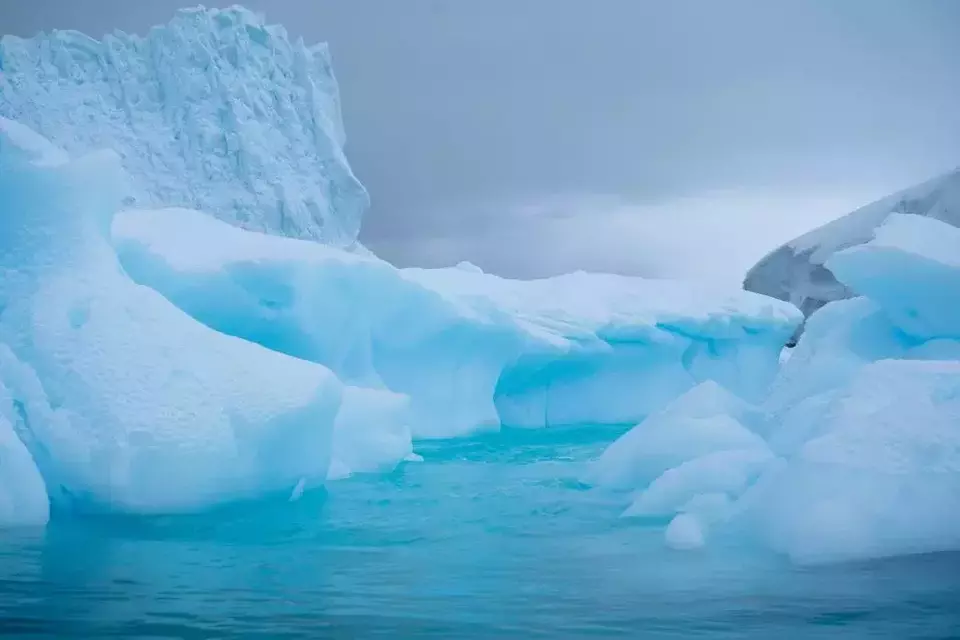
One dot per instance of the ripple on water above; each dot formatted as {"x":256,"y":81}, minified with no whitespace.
{"x":487,"y":537}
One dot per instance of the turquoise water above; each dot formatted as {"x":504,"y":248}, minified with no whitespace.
{"x":492,"y":537}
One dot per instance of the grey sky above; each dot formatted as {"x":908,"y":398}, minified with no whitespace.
{"x":535,"y":136}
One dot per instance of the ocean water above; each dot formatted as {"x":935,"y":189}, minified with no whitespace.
{"x":492,"y":537}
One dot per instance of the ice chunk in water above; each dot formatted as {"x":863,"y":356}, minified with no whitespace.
{"x":705,"y":420}
{"x":685,"y":533}
{"x":726,"y":473}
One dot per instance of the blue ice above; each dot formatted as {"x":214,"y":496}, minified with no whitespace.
{"x":187,"y":321}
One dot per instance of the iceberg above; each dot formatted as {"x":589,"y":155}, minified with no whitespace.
{"x":861,"y":453}
{"x":115,"y":386}
{"x":799,"y":272}
{"x":471,"y":350}
{"x":878,"y":479}
{"x":183,"y":290}
{"x":215,"y":111}
{"x":685,"y":533}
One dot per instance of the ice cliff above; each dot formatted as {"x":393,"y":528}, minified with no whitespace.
{"x":797,"y":271}
{"x":855,"y":451}
{"x":215,"y":111}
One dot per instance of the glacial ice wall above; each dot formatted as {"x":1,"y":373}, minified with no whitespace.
{"x":471,"y":350}
{"x":216,"y":111}
{"x":797,"y":272}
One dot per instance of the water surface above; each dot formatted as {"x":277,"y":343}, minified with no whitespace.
{"x":492,"y":537}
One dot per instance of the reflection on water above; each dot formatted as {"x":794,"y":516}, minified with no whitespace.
{"x":492,"y":537}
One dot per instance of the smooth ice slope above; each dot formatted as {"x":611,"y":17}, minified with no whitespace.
{"x":126,"y":402}
{"x":796,"y":272}
{"x":470,"y":349}
{"x":216,"y":111}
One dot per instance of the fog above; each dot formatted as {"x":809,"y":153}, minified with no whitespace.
{"x":681,"y":138}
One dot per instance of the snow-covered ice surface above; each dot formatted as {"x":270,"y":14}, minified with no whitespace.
{"x":216,"y":110}
{"x":797,"y":271}
{"x":472,"y":350}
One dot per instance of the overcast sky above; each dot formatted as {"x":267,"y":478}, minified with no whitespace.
{"x":679,"y":138}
